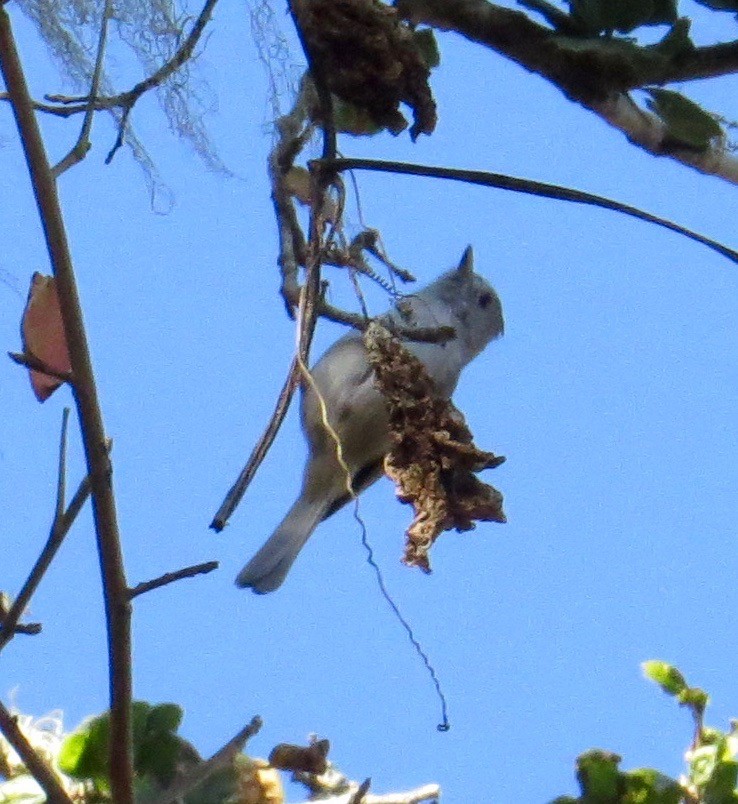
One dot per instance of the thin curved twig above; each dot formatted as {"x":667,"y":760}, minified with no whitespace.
{"x":63,"y":520}
{"x":503,"y":182}
{"x":83,"y":144}
{"x":171,"y":577}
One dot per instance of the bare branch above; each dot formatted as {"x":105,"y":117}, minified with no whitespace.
{"x":60,"y":526}
{"x":220,"y":759}
{"x":504,"y":182}
{"x":55,"y":793}
{"x":593,"y":70}
{"x":360,"y":794}
{"x":57,"y":111}
{"x":238,"y":489}
{"x":83,"y":144}
{"x":59,"y":530}
{"x":115,"y":589}
{"x":28,"y":629}
{"x":126,"y":100}
{"x":294,"y":130}
{"x":61,"y":483}
{"x":171,"y":577}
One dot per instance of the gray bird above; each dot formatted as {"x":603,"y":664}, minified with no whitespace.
{"x":357,"y":413}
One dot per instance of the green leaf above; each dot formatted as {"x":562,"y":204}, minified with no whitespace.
{"x":665,"y":675}
{"x":425,"y":42}
{"x":157,"y":757}
{"x":686,"y":122}
{"x":598,"y":775}
{"x":722,"y":784}
{"x":139,"y":718}
{"x":220,"y":786}
{"x":164,"y":718}
{"x":702,"y":764}
{"x":156,"y":747}
{"x":84,"y":754}
{"x":648,"y":786}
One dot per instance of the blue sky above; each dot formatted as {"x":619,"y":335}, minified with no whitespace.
{"x":612,"y":395}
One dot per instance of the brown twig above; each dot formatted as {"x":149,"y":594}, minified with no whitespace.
{"x":28,"y":629}
{"x":220,"y":759}
{"x":126,"y":100}
{"x":293,"y":131}
{"x":361,"y":322}
{"x":238,"y":489}
{"x":59,"y":530}
{"x":115,"y":588}
{"x":65,"y":106}
{"x":55,"y":793}
{"x":359,"y":796}
{"x":29,"y":360}
{"x":61,"y":482}
{"x":502,"y":181}
{"x":83,"y":144}
{"x":48,"y":108}
{"x":171,"y":577}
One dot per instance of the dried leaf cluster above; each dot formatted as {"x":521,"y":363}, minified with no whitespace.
{"x":433,"y":459}
{"x":368,"y":57}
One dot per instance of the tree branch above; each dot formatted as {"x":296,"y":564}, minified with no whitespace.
{"x":60,"y":527}
{"x":259,"y":452}
{"x":594,"y":72}
{"x":115,"y":589}
{"x":55,"y":793}
{"x":83,"y":144}
{"x":171,"y":577}
{"x":647,"y":131}
{"x":126,"y":100}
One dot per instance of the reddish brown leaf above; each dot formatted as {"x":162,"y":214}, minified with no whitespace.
{"x":44,"y":341}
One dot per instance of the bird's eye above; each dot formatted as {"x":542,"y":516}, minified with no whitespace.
{"x":485,"y":300}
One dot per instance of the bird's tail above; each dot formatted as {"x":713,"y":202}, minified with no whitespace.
{"x":269,"y":567}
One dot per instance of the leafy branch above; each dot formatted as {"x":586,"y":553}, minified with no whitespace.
{"x":597,"y":71}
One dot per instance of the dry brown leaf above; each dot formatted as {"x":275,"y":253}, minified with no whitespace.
{"x":308,"y":759}
{"x":433,"y":459}
{"x":42,"y":332}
